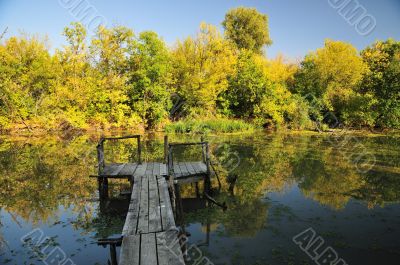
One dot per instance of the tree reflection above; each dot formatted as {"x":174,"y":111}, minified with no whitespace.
{"x":38,"y":176}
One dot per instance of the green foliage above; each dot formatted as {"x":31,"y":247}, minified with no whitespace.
{"x":109,"y":100}
{"x":247,"y":28}
{"x":121,"y":80}
{"x":329,"y":79}
{"x":383,"y":81}
{"x":150,"y":79}
{"x":201,"y":68}
{"x":246,"y":86}
{"x":209,"y":125}
{"x":257,"y":92}
{"x":26,"y":75}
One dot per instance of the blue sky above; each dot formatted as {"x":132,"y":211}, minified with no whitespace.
{"x":296,"y":27}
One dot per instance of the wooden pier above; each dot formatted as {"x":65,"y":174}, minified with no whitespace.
{"x":150,"y":235}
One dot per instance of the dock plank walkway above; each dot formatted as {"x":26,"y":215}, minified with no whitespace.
{"x":151,"y":249}
{"x":150,"y":235}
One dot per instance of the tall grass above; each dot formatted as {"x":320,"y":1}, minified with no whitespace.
{"x":209,"y":126}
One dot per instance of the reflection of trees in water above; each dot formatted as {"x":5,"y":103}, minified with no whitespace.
{"x":380,"y":187}
{"x":327,"y":174}
{"x":40,"y":175}
{"x":264,"y":166}
{"x":321,"y":168}
{"x":241,"y":219}
{"x":110,"y":218}
{"x":245,"y":219}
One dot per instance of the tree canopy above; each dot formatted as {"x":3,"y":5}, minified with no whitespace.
{"x":126,"y":80}
{"x":247,"y":28}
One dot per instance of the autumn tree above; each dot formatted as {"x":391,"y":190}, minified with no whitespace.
{"x":329,"y":79}
{"x":383,"y":81}
{"x":67,"y":104}
{"x":255,"y":93}
{"x":150,"y":79}
{"x":281,"y":70}
{"x":246,"y":87}
{"x":201,"y":67}
{"x":109,"y":54}
{"x":26,"y":75}
{"x":247,"y":28}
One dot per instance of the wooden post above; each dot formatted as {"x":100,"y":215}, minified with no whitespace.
{"x":179,"y":205}
{"x":103,"y":187}
{"x":100,"y":156}
{"x":166,"y":149}
{"x":170,"y":164}
{"x":197,"y":190}
{"x":113,"y":254}
{"x":202,"y":149}
{"x":208,"y":177}
{"x":139,"y":150}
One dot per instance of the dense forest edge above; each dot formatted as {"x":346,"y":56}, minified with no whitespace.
{"x":210,"y":82}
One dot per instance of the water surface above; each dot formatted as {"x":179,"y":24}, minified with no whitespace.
{"x":346,"y":188}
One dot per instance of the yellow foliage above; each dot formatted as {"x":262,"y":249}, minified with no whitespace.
{"x":202,"y":65}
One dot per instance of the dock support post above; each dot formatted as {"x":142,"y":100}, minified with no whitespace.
{"x":179,"y":205}
{"x":139,"y":149}
{"x":197,"y":190}
{"x":100,"y":156}
{"x":202,"y":149}
{"x":103,"y":187}
{"x":166,"y":149}
{"x":207,"y":180}
{"x":113,"y":254}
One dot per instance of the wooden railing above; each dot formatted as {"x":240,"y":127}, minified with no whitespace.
{"x":100,"y":149}
{"x":170,"y":154}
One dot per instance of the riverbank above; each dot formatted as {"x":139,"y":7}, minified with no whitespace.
{"x":193,"y":126}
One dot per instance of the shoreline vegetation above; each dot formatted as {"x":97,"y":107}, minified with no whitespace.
{"x":200,"y":127}
{"x":212,"y":82}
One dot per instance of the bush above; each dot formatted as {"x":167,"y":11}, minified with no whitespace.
{"x":210,"y":125}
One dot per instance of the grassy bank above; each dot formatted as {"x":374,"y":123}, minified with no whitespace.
{"x":209,"y":126}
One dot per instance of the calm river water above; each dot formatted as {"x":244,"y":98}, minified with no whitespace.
{"x":345,"y":189}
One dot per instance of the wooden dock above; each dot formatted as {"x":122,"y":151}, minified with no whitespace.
{"x":183,"y":171}
{"x":150,"y":235}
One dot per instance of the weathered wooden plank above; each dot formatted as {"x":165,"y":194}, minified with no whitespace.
{"x":184,"y":170}
{"x":112,"y":169}
{"x":154,"y":206}
{"x":130,"y":250}
{"x":131,"y":221}
{"x":107,"y":170}
{"x":177,"y":170}
{"x":156,"y":169}
{"x":128,"y":169}
{"x":140,"y":170}
{"x":168,"y":248}
{"x":190,"y":168}
{"x":195,"y":169}
{"x":167,"y":215}
{"x":163,"y":170}
{"x":148,"y":249}
{"x":149,"y":169}
{"x":200,"y":167}
{"x":143,"y":223}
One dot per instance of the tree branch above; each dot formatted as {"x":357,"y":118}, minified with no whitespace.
{"x":4,"y":33}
